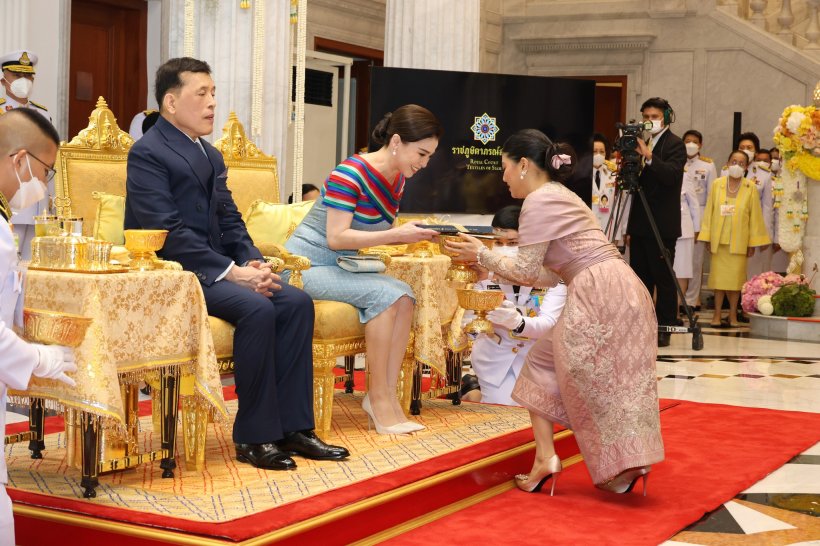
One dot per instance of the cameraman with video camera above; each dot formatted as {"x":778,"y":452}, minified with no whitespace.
{"x":664,"y":157}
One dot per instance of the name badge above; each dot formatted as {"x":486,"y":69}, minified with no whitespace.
{"x":493,"y":287}
{"x":727,"y":210}
{"x":603,"y":209}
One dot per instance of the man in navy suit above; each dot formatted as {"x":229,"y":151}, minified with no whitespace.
{"x":177,"y":181}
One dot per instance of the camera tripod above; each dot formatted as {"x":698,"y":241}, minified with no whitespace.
{"x":630,"y":186}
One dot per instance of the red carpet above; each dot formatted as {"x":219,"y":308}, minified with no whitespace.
{"x":713,"y":452}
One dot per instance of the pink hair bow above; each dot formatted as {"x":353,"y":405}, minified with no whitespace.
{"x":560,"y":159}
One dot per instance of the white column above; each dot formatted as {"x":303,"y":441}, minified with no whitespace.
{"x":433,"y":34}
{"x":14,"y":23}
{"x":223,"y":37}
{"x":811,"y":238}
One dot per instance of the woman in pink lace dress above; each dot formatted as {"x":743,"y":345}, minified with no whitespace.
{"x":596,"y":373}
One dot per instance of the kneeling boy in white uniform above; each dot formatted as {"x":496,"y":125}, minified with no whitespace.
{"x":526,"y":315}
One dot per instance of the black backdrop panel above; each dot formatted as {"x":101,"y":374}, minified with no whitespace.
{"x":464,"y":175}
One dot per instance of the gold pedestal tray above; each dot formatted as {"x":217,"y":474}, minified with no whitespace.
{"x":143,"y":244}
{"x":479,"y":301}
{"x":459,"y":271}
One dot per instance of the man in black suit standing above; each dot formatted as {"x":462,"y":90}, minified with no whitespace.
{"x":664,"y":158}
{"x":177,"y":181}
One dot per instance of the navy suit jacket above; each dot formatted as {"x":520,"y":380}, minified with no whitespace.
{"x":172,"y":185}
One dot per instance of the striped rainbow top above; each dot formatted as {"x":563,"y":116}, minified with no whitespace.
{"x":356,"y":186}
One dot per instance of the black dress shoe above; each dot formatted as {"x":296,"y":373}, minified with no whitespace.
{"x":266,"y":456}
{"x":306,"y":444}
{"x":664,"y":339}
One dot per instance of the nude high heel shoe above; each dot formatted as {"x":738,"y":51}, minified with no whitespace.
{"x":625,"y":481}
{"x":533,"y":484}
{"x":398,"y":428}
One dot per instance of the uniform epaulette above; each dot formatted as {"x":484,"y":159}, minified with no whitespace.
{"x":146,"y":112}
{"x":40,"y":106}
{"x":2,"y":101}
{"x":610,"y":165}
{"x":706,"y":159}
{"x":764,"y":167}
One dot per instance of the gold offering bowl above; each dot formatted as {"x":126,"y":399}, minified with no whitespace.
{"x":460,"y":271}
{"x":143,"y":244}
{"x":54,"y":328}
{"x":479,"y":301}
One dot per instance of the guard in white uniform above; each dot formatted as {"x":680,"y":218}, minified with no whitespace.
{"x":18,"y":80}
{"x":767,"y":158}
{"x":19,"y":137}
{"x":604,"y":192}
{"x":525,"y":316}
{"x":690,"y":216}
{"x":137,"y":128}
{"x":700,"y":172}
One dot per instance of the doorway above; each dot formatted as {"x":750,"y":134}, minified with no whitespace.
{"x":107,"y":59}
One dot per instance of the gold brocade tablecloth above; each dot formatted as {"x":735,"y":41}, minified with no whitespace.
{"x":436,"y":303}
{"x":143,"y":322}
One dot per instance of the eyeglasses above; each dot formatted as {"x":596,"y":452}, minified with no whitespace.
{"x":50,"y":172}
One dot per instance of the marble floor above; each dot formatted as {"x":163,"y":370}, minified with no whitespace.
{"x":735,"y":368}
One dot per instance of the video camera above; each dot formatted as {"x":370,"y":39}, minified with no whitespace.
{"x":630,"y":164}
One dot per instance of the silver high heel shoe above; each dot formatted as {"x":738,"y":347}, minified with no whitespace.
{"x":625,"y":481}
{"x":534,"y":484}
{"x":398,"y":428}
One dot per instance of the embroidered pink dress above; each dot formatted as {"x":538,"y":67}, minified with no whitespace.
{"x":596,"y":373}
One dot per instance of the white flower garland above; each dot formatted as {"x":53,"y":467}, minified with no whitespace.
{"x":794,"y":212}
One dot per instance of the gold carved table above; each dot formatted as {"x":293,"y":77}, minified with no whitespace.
{"x":436,"y":303}
{"x":146,"y":326}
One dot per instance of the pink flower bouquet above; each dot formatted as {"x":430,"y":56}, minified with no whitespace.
{"x":760,"y":285}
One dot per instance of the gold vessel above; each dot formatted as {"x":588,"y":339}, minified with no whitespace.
{"x":143,"y":244}
{"x":59,"y":252}
{"x":52,"y":328}
{"x":480,"y":301}
{"x":460,"y":271}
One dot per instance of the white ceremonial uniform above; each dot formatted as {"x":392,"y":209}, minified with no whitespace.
{"x":17,"y":358}
{"x":690,"y":216}
{"x":761,"y":261}
{"x":497,"y":363}
{"x":701,"y":173}
{"x":23,"y":220}
{"x":135,"y":130}
{"x":603,"y":200}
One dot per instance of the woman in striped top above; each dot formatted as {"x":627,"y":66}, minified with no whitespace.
{"x":357,"y":209}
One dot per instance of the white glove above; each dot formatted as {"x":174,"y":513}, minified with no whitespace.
{"x":506,"y":315}
{"x":55,"y":361}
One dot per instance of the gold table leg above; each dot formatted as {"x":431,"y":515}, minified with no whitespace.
{"x":323,"y":387}
{"x":194,"y":431}
{"x":406,"y":380}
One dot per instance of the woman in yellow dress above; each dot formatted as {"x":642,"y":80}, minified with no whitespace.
{"x":732,"y":225}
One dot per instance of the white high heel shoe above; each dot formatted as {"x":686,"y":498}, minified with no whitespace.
{"x":398,"y":428}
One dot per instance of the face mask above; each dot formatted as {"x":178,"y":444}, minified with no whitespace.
{"x":597,"y":160}
{"x":656,"y":126}
{"x":736,"y":171}
{"x":692,"y":149}
{"x":750,"y":154}
{"x":775,"y":165}
{"x":21,"y":87}
{"x":29,"y":193}
{"x":508,"y":251}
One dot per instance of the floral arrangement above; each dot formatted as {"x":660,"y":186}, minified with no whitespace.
{"x":758,"y":286}
{"x":793,"y":300}
{"x":797,"y":135}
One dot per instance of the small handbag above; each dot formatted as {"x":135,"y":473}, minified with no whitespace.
{"x":361,"y":264}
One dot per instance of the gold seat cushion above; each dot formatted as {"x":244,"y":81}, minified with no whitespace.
{"x":336,"y":320}
{"x":274,"y":222}
{"x":222,"y":333}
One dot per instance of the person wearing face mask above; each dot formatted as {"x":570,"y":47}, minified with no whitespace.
{"x":19,"y":69}
{"x":661,"y":179}
{"x":780,"y":258}
{"x":761,"y":176}
{"x":525,"y":316}
{"x":358,"y":207}
{"x":603,"y":189}
{"x":732,"y":226}
{"x":700,"y":171}
{"x":23,"y":135}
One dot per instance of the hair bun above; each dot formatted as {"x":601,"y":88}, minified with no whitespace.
{"x":380,"y":134}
